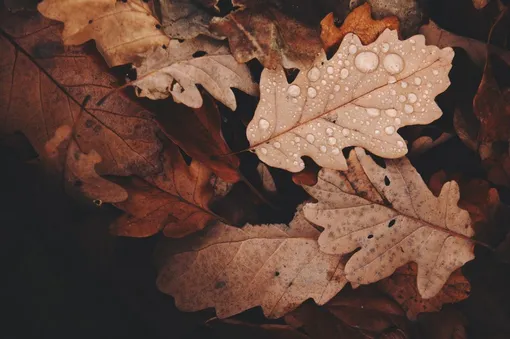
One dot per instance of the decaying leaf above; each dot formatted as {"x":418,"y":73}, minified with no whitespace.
{"x":360,"y":97}
{"x":401,"y":286}
{"x":264,"y":33}
{"x":178,"y":68}
{"x":233,"y":269}
{"x":198,"y":133}
{"x":186,"y":19}
{"x":176,"y":201}
{"x":359,"y":22}
{"x":393,"y":217}
{"x":52,"y":86}
{"x":359,"y":314}
{"x":122,"y":29}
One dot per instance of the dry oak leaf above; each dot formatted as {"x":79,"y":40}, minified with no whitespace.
{"x":176,"y":70}
{"x":401,"y":286}
{"x":393,"y":217}
{"x":122,"y":29}
{"x":266,"y":34}
{"x":175,"y":200}
{"x":186,"y":19}
{"x":359,"y":97}
{"x":234,"y":269}
{"x":359,"y":22}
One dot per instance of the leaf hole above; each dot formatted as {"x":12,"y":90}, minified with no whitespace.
{"x":97,"y":202}
{"x":199,"y":54}
{"x":220,"y":284}
{"x":391,"y":223}
{"x":291,"y":74}
{"x":370,"y":236}
{"x":91,"y":21}
{"x":276,"y":273}
{"x":164,"y":47}
{"x":158,"y":26}
{"x":387,"y":181}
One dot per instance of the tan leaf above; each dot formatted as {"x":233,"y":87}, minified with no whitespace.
{"x":479,"y":4}
{"x":176,"y":200}
{"x":80,"y":170}
{"x":392,"y":216}
{"x":233,"y":269}
{"x":267,"y":179}
{"x":357,"y":98}
{"x":175,"y":71}
{"x":122,"y":29}
{"x":185,"y":19}
{"x":52,"y":87}
{"x":264,"y":33}
{"x":401,"y":286}
{"x":359,"y":22}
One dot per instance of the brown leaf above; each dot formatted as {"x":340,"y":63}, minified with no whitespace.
{"x":390,"y":214}
{"x":354,"y":314}
{"x":233,"y":328}
{"x":50,"y":84}
{"x":175,"y":201}
{"x":359,"y":22}
{"x":447,"y":324}
{"x":198,"y":132}
{"x":401,"y":286}
{"x":234,"y":269}
{"x":122,"y":29}
{"x":264,"y":33}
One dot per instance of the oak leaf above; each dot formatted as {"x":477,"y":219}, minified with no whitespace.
{"x":176,"y":70}
{"x":175,"y":200}
{"x":51,"y":86}
{"x":359,"y":22}
{"x":122,"y":29}
{"x":233,"y":269}
{"x":401,"y":286}
{"x":359,"y":97}
{"x":265,"y":33}
{"x":392,"y":216}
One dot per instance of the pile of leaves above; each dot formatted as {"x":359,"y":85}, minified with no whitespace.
{"x":308,"y":169}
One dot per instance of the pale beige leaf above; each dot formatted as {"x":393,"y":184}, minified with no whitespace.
{"x":233,"y":269}
{"x":81,"y":168}
{"x":360,"y":97}
{"x":121,"y":29}
{"x":400,"y":221}
{"x":175,"y":71}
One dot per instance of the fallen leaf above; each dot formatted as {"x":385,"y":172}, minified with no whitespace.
{"x":392,"y":216}
{"x":492,"y":108}
{"x":447,"y":324}
{"x":325,"y":108}
{"x":51,"y":86}
{"x":233,"y":328}
{"x":122,"y":29}
{"x":264,"y":33}
{"x":198,"y":133}
{"x":401,"y":286}
{"x":426,"y":143}
{"x":186,"y":19}
{"x":267,"y":179}
{"x":480,"y":3}
{"x":177,"y":69}
{"x":477,"y":50}
{"x":359,"y":22}
{"x":361,"y":313}
{"x":175,"y":201}
{"x":233,"y":269}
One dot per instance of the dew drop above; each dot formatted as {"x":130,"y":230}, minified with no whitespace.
{"x":412,"y":98}
{"x":408,"y":109}
{"x":330,"y":70}
{"x":323,"y":149}
{"x":385,"y":47}
{"x":344,"y":73}
{"x":435,"y":72}
{"x":323,"y":82}
{"x":335,"y":151}
{"x":314,"y":74}
{"x":331,"y":141}
{"x":389,"y":130}
{"x":400,"y":144}
{"x":297,"y":139}
{"x":263,"y":150}
{"x":393,"y":63}
{"x":401,"y":98}
{"x":263,"y":123}
{"x":392,"y":79}
{"x":329,"y":131}
{"x":397,"y":121}
{"x":373,"y":112}
{"x":312,"y":92}
{"x":366,"y":62}
{"x":310,"y":138}
{"x":294,"y":90}
{"x":331,"y":97}
{"x":403,"y":84}
{"x":336,"y":88}
{"x":346,"y":132}
{"x":391,"y":112}
{"x":377,"y":132}
{"x":417,"y":81}
{"x":277,"y":145}
{"x":353,"y":49}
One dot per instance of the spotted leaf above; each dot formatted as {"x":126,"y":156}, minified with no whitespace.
{"x":359,"y":97}
{"x":390,"y":214}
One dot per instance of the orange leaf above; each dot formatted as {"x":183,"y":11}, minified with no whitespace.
{"x":359,"y":22}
